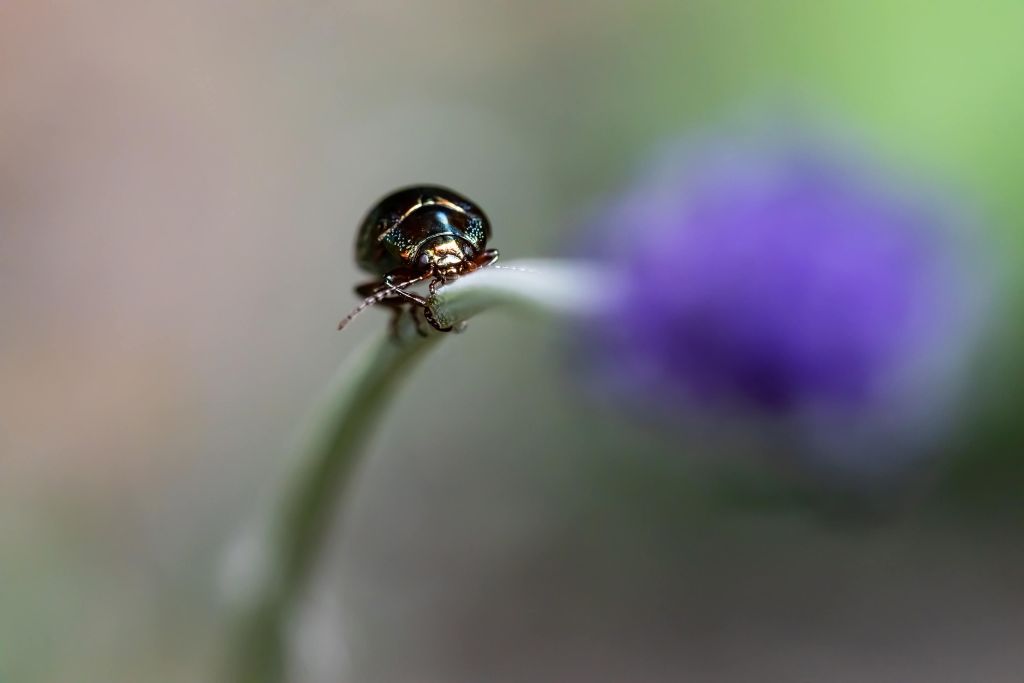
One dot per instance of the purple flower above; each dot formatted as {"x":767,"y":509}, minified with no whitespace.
{"x":780,"y":277}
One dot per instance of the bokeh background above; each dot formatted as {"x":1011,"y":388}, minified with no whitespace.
{"x":179,"y":189}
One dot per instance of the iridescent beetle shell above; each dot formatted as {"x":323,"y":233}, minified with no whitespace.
{"x":415,"y":234}
{"x":408,"y":222}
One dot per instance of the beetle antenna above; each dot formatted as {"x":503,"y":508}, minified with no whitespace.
{"x":377,"y":297}
{"x":515,"y":268}
{"x":363,"y":305}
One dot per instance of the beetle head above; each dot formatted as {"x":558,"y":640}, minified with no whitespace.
{"x":446,"y":256}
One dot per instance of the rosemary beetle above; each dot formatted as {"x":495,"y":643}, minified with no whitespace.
{"x":413,"y":235}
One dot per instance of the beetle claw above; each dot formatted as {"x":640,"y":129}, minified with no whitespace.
{"x":429,"y":315}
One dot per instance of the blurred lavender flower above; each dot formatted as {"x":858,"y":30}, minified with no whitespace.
{"x":782,"y":276}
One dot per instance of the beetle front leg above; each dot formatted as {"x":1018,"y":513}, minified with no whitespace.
{"x":416,"y":320}
{"x":487,"y":258}
{"x":393,"y":324}
{"x":417,"y":301}
{"x":429,"y":315}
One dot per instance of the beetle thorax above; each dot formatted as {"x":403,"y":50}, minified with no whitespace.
{"x":448,"y":256}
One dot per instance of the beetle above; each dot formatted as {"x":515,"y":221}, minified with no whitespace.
{"x":424,"y":232}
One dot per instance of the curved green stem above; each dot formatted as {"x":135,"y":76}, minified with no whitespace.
{"x":341,"y":424}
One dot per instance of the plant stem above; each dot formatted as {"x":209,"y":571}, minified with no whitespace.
{"x":342,"y":421}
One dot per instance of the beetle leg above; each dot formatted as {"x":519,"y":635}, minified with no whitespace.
{"x":396,"y":317}
{"x":429,"y":315}
{"x":417,"y":301}
{"x":417,"y":321}
{"x":487,"y":258}
{"x":394,"y":295}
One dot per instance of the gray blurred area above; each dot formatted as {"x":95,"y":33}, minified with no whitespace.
{"x":179,"y":189}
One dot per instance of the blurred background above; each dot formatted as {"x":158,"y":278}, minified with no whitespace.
{"x":179,"y":188}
